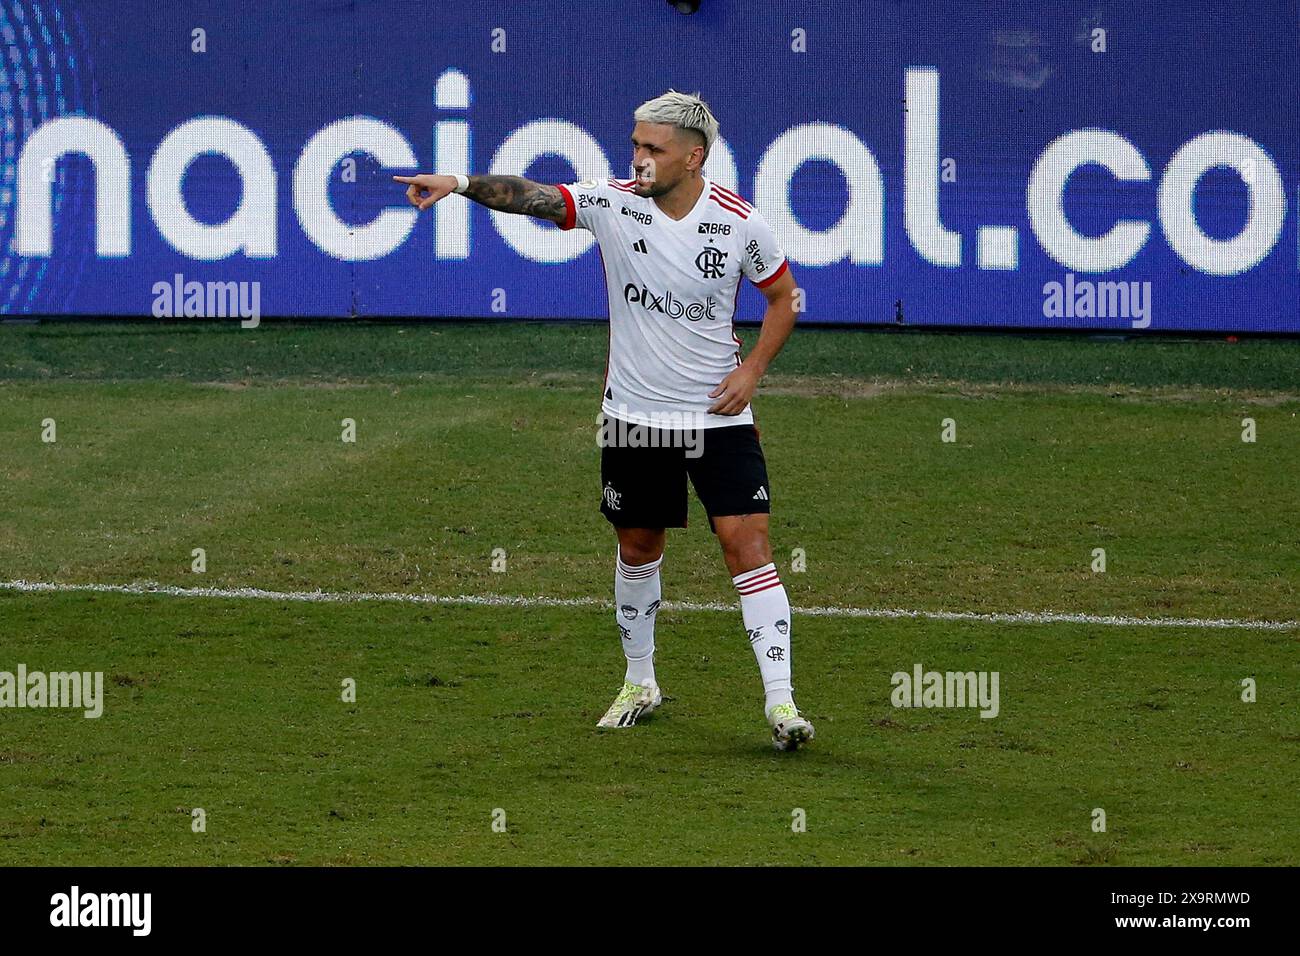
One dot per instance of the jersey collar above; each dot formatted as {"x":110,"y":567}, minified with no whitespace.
{"x":695,"y":210}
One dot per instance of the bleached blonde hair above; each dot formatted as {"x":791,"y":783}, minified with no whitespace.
{"x":682,"y":110}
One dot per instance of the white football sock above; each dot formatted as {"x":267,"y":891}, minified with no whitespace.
{"x":636,"y":599}
{"x":766,"y":611}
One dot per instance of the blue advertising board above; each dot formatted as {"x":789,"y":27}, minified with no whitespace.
{"x":1101,"y":165}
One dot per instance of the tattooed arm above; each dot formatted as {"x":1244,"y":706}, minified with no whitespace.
{"x":505,"y":193}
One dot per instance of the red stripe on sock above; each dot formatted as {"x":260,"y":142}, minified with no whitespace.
{"x":643,"y":571}
{"x":760,"y":583}
{"x":740,"y":580}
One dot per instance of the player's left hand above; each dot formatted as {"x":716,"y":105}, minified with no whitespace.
{"x":734,"y":392}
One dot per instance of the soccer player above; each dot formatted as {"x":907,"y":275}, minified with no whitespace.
{"x":675,"y":246}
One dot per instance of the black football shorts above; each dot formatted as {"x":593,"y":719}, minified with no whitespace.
{"x":643,"y":480}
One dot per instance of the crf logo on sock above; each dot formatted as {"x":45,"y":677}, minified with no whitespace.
{"x":75,"y":908}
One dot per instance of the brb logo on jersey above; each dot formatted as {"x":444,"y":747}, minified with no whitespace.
{"x":668,"y":304}
{"x":711,"y":262}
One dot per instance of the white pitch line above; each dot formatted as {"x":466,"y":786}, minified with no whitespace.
{"x":501,"y":600}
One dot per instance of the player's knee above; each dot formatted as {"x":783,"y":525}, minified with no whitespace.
{"x":637,"y":546}
{"x":744,"y":552}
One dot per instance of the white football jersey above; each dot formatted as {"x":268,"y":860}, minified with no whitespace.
{"x":672,"y":287}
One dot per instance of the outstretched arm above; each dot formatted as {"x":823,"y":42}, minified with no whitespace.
{"x":503,"y":193}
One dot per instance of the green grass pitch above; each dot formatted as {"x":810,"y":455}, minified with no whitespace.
{"x":478,"y":437}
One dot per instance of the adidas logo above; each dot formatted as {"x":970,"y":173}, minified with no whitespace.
{"x":639,"y":246}
{"x":761,"y":494}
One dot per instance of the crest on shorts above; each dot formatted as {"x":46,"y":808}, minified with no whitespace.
{"x":612,"y":497}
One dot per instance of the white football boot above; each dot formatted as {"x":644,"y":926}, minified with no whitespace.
{"x":632,"y":703}
{"x":789,"y":730}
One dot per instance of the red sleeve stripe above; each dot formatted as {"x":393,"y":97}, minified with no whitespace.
{"x":785,"y":264}
{"x":722,"y":197}
{"x":570,"y":213}
{"x":726,"y":204}
{"x":622,"y":189}
{"x":730,"y":195}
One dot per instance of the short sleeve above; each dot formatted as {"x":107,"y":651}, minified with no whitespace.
{"x":584,"y":203}
{"x":763,"y":259}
